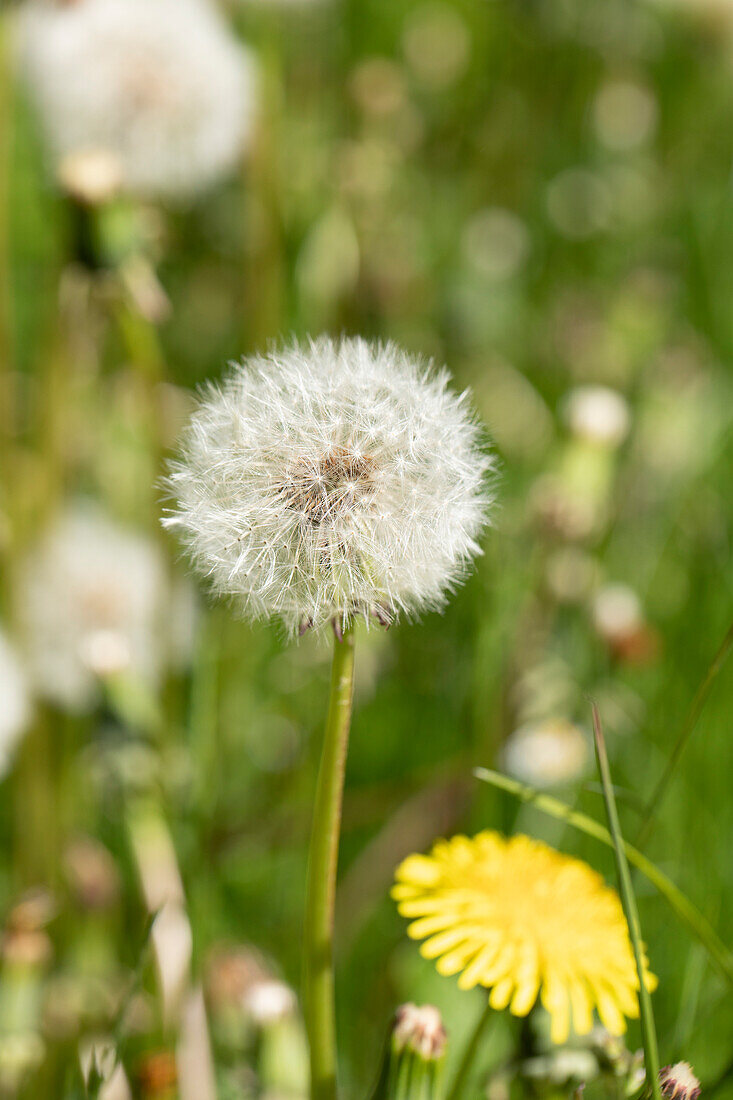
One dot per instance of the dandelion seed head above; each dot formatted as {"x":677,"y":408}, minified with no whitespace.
{"x":329,"y":480}
{"x":160,"y":87}
{"x":93,"y":600}
{"x":15,"y":711}
{"x":598,"y":414}
{"x":546,"y":753}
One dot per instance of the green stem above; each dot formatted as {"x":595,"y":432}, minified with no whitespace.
{"x":648,"y":1033}
{"x":685,"y":733}
{"x":462,"y":1074}
{"x":318,"y":979}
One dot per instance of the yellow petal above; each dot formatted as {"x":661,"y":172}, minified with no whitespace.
{"x":438,"y":945}
{"x":501,"y":994}
{"x":611,"y":1016}
{"x":455,"y":960}
{"x":555,"y":1000}
{"x":581,"y":1004}
{"x":419,"y":871}
{"x":471,"y":976}
{"x":496,"y":969}
{"x":525,"y":995}
{"x":427,"y":926}
{"x":421,"y":907}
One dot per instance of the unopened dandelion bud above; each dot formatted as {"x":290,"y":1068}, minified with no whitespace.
{"x":678,"y":1082}
{"x":420,"y":1031}
{"x":412,"y":1067}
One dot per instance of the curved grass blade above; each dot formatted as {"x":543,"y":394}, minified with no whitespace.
{"x":685,"y":910}
{"x":648,"y":1031}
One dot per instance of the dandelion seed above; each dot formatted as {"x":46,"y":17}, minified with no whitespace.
{"x":160,"y":87}
{"x":332,"y":480}
{"x":525,"y":921}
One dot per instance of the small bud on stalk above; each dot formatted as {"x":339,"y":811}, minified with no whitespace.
{"x":413,"y":1062}
{"x":679,"y":1082}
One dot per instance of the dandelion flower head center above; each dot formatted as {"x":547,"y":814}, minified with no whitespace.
{"x":329,"y":486}
{"x":525,"y":921}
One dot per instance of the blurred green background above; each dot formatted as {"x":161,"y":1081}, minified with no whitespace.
{"x":538,"y":194}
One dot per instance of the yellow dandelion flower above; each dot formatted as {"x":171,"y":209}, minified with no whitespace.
{"x":523,"y":920}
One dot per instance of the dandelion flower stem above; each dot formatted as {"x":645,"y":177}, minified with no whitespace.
{"x":464,"y":1069}
{"x":321,"y":887}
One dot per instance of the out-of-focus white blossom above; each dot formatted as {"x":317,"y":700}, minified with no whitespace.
{"x":268,"y":1001}
{"x":94,"y":600}
{"x":617,"y":612}
{"x":562,"y":1067}
{"x":598,"y":414}
{"x":543,"y":754}
{"x":329,"y":480}
{"x":160,"y":86}
{"x":15,"y":710}
{"x":92,"y":176}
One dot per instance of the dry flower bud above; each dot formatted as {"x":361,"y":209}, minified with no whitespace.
{"x":678,"y":1082}
{"x":419,"y":1029}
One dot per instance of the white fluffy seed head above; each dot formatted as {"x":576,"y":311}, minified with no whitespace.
{"x":15,"y":709}
{"x":161,"y":86}
{"x":332,"y":479}
{"x":94,"y":600}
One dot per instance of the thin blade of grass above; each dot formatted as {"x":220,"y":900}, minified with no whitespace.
{"x":628,"y":900}
{"x":684,"y":735}
{"x":691,"y":917}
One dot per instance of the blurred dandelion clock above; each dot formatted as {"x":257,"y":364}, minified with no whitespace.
{"x":525,"y":921}
{"x":91,"y":602}
{"x":161,"y":86}
{"x":546,"y":753}
{"x":15,"y":711}
{"x":332,"y":480}
{"x":598,"y":414}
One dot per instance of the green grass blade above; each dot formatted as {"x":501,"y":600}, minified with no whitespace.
{"x":688,"y":914}
{"x":628,"y":899}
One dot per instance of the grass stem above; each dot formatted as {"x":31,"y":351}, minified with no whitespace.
{"x":628,"y":899}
